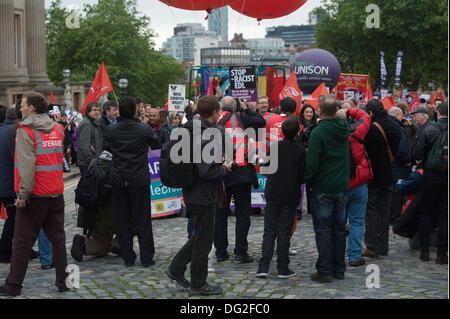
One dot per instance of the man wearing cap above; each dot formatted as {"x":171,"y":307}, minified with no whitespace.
{"x":425,"y":133}
{"x":434,"y":190}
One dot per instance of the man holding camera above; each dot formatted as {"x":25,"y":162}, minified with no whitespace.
{"x":235,"y":119}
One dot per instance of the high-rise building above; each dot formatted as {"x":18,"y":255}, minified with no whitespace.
{"x":301,"y":36}
{"x":218,"y":22}
{"x":187,"y":41}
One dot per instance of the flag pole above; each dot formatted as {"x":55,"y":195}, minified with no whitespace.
{"x":115,"y":96}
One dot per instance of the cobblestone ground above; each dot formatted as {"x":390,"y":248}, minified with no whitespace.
{"x":402,"y":274}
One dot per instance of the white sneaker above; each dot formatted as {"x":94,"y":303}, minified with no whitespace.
{"x":292,"y":252}
{"x":261,"y":275}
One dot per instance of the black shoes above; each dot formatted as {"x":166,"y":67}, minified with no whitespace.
{"x":179,"y":279}
{"x":206,"y":290}
{"x":34,"y":254}
{"x":6,"y":293}
{"x":262,"y":274}
{"x":47,"y":267}
{"x":424,"y":255}
{"x":78,"y":248}
{"x":442,"y":260}
{"x":357,"y":263}
{"x":339,"y":276}
{"x":286,"y":274}
{"x":146,"y":265}
{"x":114,"y":250}
{"x":243,"y":259}
{"x":222,"y":258}
{"x":317,"y":277}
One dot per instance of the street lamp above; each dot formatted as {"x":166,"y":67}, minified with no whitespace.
{"x":123,"y":84}
{"x":67,"y":91}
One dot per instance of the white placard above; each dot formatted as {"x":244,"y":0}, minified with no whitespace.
{"x":177,"y":96}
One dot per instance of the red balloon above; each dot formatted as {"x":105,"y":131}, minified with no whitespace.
{"x":197,"y":4}
{"x":266,"y":9}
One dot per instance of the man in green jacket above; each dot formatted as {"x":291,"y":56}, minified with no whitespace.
{"x":327,"y":174}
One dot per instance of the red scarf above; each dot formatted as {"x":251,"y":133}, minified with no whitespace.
{"x":155,"y":127}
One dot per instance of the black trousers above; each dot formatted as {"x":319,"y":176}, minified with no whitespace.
{"x":198,"y":247}
{"x":376,"y":236}
{"x":434,"y":207}
{"x":8,"y":228}
{"x":133,"y":207}
{"x":278,"y":223}
{"x":242,"y":201}
{"x":397,"y":203}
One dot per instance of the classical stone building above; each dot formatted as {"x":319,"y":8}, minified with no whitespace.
{"x":23,"y":65}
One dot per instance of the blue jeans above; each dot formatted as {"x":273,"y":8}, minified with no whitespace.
{"x":356,"y":210}
{"x":45,"y":249}
{"x":329,"y":222}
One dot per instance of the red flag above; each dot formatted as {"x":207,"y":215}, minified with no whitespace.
{"x":391,"y":99}
{"x":52,"y":96}
{"x":414,"y":104}
{"x":166,"y":106}
{"x":292,"y":90}
{"x":433,"y":98}
{"x":369,"y":95}
{"x":3,"y":214}
{"x":313,"y":99}
{"x":100,"y":86}
{"x":387,"y":103}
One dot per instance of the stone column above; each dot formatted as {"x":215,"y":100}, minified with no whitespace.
{"x":7,"y":61}
{"x":35,"y":30}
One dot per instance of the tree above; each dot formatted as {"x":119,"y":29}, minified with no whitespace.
{"x":417,"y":27}
{"x":112,"y":31}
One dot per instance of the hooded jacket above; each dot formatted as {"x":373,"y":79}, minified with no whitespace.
{"x":26,"y":154}
{"x":327,"y":159}
{"x":208,"y":191}
{"x":359,"y":130}
{"x":90,"y":141}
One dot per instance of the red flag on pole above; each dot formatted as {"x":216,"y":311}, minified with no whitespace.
{"x":292,"y":90}
{"x":166,"y":106}
{"x":100,"y":86}
{"x":414,"y":104}
{"x":52,"y":96}
{"x":369,"y":95}
{"x":387,"y":103}
{"x":391,"y":99}
{"x":313,"y":100}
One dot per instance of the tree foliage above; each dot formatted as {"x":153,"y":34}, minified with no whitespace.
{"x":112,"y":31}
{"x":417,"y":27}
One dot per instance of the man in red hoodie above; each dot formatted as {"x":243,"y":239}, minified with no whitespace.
{"x":360,"y":174}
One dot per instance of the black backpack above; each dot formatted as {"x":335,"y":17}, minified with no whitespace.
{"x":91,"y":189}
{"x":177,"y":175}
{"x":438,"y":157}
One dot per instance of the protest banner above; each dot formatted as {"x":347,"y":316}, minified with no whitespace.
{"x":357,"y":83}
{"x":243,"y":83}
{"x":165,"y":200}
{"x":177,"y":95}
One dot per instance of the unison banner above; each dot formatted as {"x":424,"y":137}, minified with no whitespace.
{"x":357,"y":83}
{"x":165,"y":200}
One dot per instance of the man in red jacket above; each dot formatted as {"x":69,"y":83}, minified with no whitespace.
{"x":38,"y":181}
{"x":360,"y":174}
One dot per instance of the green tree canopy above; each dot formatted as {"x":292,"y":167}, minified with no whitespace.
{"x":112,"y":31}
{"x":417,"y":27}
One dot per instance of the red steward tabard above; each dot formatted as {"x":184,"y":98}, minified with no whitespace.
{"x":48,"y":177}
{"x":239,"y":139}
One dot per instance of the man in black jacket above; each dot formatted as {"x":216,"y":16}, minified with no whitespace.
{"x":381,"y":187}
{"x":130,"y":179}
{"x":238,"y":185}
{"x":401,"y":165}
{"x":434,"y":190}
{"x":201,"y":201}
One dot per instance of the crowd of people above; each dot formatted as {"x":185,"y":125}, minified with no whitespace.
{"x":349,"y":161}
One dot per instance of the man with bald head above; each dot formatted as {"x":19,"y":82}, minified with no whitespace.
{"x":154,"y":120}
{"x":401,"y":165}
{"x":239,"y":183}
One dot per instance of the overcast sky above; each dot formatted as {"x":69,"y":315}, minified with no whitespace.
{"x":165,"y":18}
